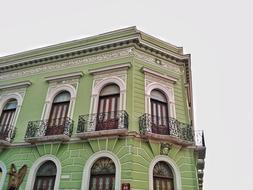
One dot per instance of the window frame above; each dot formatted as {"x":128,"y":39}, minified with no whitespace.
{"x":35,"y":167}
{"x":174,"y":168}
{"x":5,"y":100}
{"x":110,"y":175}
{"x":97,"y":88}
{"x":52,"y":93}
{"x":167,"y":91}
{"x":163,"y":178}
{"x":90,"y":162}
{"x":45,"y":176}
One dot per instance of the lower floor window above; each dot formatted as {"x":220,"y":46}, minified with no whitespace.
{"x":102,"y":175}
{"x":162,"y":177}
{"x":45,"y":177}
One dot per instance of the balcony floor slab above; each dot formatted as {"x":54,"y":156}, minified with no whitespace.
{"x":4,"y":143}
{"x":102,"y":133}
{"x":50,"y":138}
{"x":167,"y":138}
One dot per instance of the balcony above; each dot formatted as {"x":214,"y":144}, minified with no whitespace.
{"x":59,"y":129}
{"x":201,"y":154}
{"x":102,"y":124}
{"x":166,"y":128}
{"x":200,"y":144}
{"x":7,"y":134}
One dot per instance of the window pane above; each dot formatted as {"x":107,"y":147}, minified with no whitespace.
{"x":110,"y":90}
{"x":157,"y":95}
{"x":62,"y":97}
{"x":10,"y":105}
{"x":47,"y":169}
{"x":103,"y":166}
{"x":162,"y":169}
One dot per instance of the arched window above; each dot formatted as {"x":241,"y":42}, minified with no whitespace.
{"x":45,"y":176}
{"x":162,"y":177}
{"x":108,"y":106}
{"x":159,"y":112}
{"x":58,"y":114}
{"x":102,"y":175}
{"x":7,"y":117}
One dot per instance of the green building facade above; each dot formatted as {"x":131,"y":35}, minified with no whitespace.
{"x":112,"y":111}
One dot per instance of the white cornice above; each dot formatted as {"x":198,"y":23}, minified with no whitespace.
{"x":111,"y":67}
{"x":22,"y":84}
{"x":70,"y":50}
{"x":162,"y":50}
{"x":93,"y":59}
{"x":64,"y":76}
{"x":149,"y":71}
{"x":96,"y":44}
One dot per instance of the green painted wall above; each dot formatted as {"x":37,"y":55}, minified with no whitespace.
{"x":134,"y":154}
{"x":35,"y":94}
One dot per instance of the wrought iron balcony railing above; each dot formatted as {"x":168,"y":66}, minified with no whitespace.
{"x":166,"y":126}
{"x":199,"y":138}
{"x":7,"y":132}
{"x":102,"y":121}
{"x":58,"y":126}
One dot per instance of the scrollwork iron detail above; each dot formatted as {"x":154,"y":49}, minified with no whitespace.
{"x":102,"y":121}
{"x":7,"y":132}
{"x":165,"y":126}
{"x":58,"y":126}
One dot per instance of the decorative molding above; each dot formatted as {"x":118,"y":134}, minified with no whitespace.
{"x":6,"y":96}
{"x":95,"y":44}
{"x":117,"y":77}
{"x":155,"y":73}
{"x":111,"y":67}
{"x":91,"y":59}
{"x":167,"y":88}
{"x":67,"y":76}
{"x":23,"y":84}
{"x":165,"y":148}
{"x":53,"y":90}
{"x":61,"y":65}
{"x":153,"y":60}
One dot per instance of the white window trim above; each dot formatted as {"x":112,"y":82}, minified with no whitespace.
{"x":36,"y":166}
{"x":4,"y":172}
{"x":168,"y":92}
{"x":92,"y":160}
{"x":4,"y":101}
{"x":172,"y":80}
{"x":23,"y":84}
{"x":75,"y":75}
{"x":108,"y":68}
{"x":100,"y":85}
{"x":52,"y":93}
{"x":174,"y":168}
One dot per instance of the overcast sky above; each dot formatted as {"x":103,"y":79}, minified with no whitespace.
{"x":219,"y":36}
